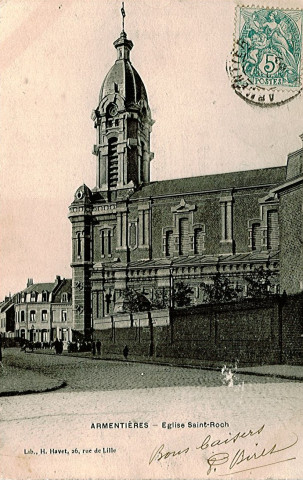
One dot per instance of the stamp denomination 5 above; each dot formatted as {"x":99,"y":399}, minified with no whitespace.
{"x":266,"y":63}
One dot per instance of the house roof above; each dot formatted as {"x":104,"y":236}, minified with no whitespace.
{"x":249,"y":178}
{"x":48,"y":287}
{"x":40,"y":287}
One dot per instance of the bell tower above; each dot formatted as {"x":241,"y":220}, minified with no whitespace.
{"x":123,"y":125}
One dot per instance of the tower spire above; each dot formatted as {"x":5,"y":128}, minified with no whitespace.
{"x":123,"y":16}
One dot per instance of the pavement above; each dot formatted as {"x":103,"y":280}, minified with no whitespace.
{"x":18,"y":381}
{"x":17,"y":378}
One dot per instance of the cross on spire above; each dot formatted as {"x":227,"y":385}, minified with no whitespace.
{"x":123,"y":16}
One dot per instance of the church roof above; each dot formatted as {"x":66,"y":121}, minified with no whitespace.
{"x":249,"y":178}
{"x":128,"y":81}
{"x":202,"y":260}
{"x":123,"y":78}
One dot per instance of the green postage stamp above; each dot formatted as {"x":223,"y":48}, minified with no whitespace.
{"x":266,"y":66}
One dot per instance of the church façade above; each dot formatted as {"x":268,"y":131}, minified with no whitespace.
{"x":129,"y":233}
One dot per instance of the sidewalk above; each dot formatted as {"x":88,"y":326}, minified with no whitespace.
{"x":16,"y":381}
{"x":291,"y":372}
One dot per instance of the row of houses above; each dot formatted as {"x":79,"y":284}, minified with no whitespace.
{"x":42,"y":312}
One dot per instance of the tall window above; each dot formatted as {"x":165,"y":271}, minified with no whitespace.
{"x":22,"y":316}
{"x":272,"y":230}
{"x":133,"y":235}
{"x":106,"y":242}
{"x":64,"y":297}
{"x":109,"y":242}
{"x":64,"y":316}
{"x":183,"y":236}
{"x":199,"y":241}
{"x":44,"y":315}
{"x":256,"y":236}
{"x":44,"y":296}
{"x":32,"y":316}
{"x":142,"y":163}
{"x":79,"y":244}
{"x":169,"y":244}
{"x":112,"y":162}
{"x":102,"y":241}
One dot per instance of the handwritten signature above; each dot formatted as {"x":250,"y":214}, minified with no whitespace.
{"x":244,"y":458}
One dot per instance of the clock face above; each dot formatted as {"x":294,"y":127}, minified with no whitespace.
{"x":113,"y":110}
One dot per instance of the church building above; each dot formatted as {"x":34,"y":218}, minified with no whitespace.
{"x":132,"y":234}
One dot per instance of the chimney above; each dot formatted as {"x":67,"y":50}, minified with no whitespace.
{"x":301,"y":136}
{"x":58,"y":280}
{"x":30,"y":282}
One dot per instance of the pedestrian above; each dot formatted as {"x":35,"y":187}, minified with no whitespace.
{"x":57,"y":346}
{"x":125,"y":352}
{"x":98,"y":346}
{"x":93,"y":348}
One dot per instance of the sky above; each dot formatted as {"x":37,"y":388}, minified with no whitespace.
{"x":54,"y":56}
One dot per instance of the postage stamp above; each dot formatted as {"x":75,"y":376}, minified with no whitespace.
{"x":266,"y":62}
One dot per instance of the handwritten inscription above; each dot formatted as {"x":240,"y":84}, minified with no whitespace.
{"x":231,"y":453}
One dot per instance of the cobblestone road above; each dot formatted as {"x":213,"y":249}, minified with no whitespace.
{"x":94,"y":375}
{"x":55,"y":435}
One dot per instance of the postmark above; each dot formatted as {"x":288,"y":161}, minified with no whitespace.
{"x":266,"y":62}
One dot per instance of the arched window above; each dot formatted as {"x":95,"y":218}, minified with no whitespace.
{"x":112,"y":162}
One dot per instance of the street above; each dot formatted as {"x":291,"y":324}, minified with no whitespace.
{"x":93,"y":374}
{"x":136,"y":421}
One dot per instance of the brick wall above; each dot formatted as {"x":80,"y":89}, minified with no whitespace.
{"x":292,"y":330}
{"x":291,"y":231}
{"x":255,"y":332}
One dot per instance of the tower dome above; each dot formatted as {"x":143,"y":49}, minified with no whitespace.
{"x":123,"y":77}
{"x":123,"y":122}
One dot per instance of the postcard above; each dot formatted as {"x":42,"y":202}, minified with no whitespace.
{"x":151,"y":242}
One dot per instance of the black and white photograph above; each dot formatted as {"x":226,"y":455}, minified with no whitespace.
{"x":151,"y":248}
